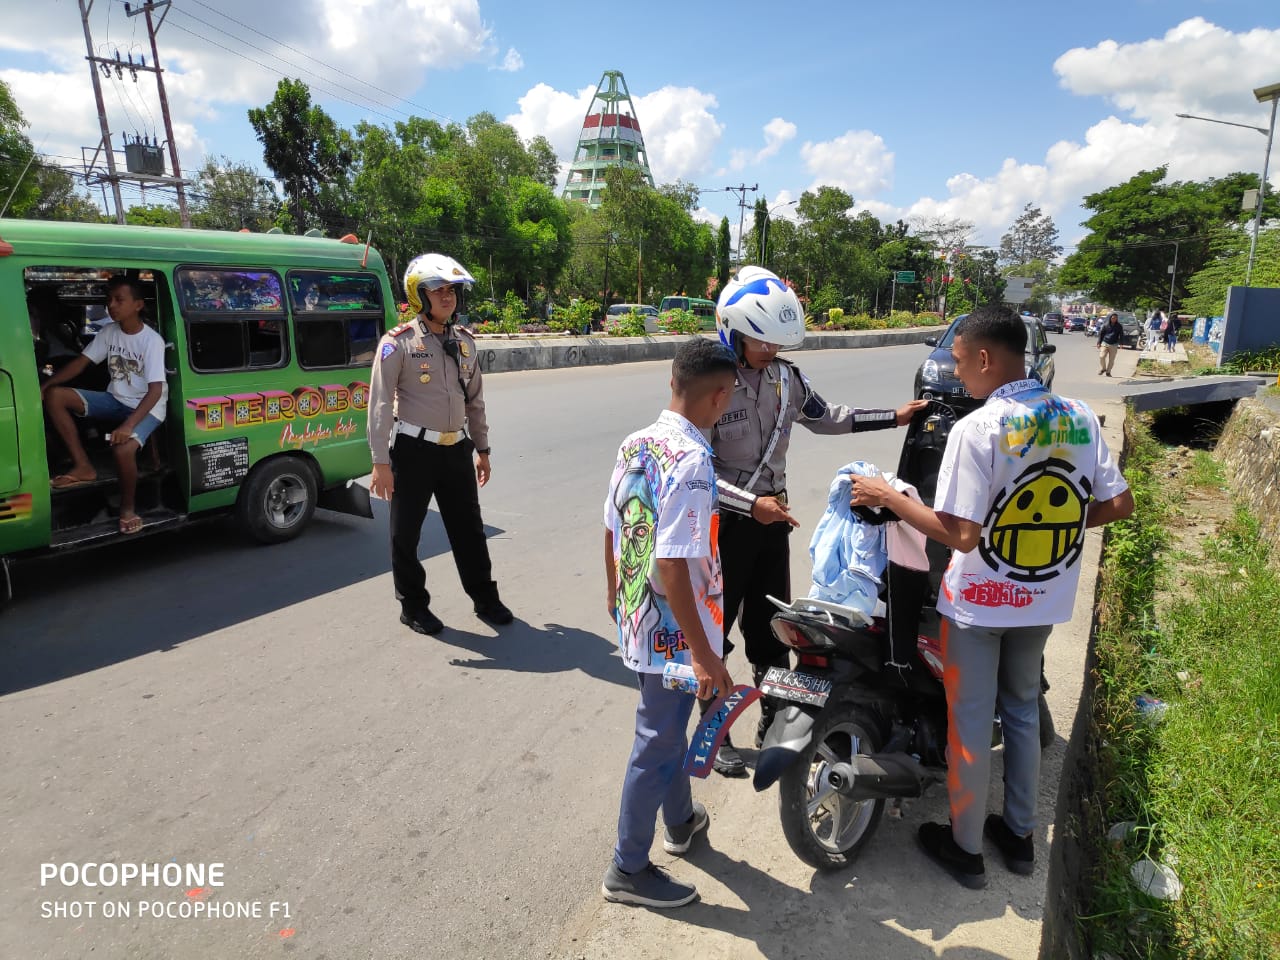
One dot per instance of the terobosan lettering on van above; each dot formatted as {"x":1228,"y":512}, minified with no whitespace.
{"x":272,"y":406}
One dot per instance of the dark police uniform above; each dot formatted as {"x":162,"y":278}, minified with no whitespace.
{"x":426,"y":416}
{"x":756,"y":557}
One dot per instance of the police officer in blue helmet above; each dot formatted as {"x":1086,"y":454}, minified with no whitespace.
{"x":758,"y":315}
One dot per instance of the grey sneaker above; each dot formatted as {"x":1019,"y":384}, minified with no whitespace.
{"x":677,"y":839}
{"x":650,"y":887}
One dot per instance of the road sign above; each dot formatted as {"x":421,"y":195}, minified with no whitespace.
{"x":905,"y":276}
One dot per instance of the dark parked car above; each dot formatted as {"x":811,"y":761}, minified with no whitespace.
{"x":1053,"y":322}
{"x":937,"y":378}
{"x":1072,"y":322}
{"x":1132,"y":330}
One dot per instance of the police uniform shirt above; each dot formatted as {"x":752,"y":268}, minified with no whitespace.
{"x":1023,"y":466}
{"x":416,"y":381}
{"x":741,"y":436}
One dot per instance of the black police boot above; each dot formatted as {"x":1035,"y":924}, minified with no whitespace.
{"x":728,"y":761}
{"x":421,"y":620}
{"x":493,"y":610}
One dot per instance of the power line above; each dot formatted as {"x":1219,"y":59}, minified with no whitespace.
{"x":323,"y":63}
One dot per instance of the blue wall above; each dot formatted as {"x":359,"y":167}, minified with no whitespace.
{"x":1252,"y":320}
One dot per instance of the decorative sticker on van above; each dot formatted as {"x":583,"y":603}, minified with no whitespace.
{"x":17,"y":507}
{"x":276,"y":406}
{"x":295,"y":411}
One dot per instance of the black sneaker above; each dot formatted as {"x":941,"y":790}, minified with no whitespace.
{"x":650,"y":887}
{"x":936,"y":841}
{"x":728,"y":761}
{"x":421,"y":621}
{"x":494,"y":611}
{"x":1019,"y":852}
{"x":677,"y":839}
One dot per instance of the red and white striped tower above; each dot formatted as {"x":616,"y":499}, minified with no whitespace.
{"x":610,"y":137}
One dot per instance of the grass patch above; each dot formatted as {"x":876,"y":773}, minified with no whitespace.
{"x":1202,"y":783}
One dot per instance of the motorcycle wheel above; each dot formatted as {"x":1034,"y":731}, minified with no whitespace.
{"x":823,"y":828}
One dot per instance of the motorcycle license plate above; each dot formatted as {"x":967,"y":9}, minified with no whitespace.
{"x":795,"y":686}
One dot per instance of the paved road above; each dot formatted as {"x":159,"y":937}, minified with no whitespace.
{"x":193,"y":699}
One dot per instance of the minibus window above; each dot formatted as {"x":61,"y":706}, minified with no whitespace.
{"x":338,"y":317}
{"x":235,"y":318}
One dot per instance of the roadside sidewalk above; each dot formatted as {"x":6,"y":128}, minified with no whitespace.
{"x":759,"y":901}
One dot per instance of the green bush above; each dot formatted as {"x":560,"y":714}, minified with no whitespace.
{"x":576,"y":316}
{"x":629,"y":324}
{"x":864,"y":321}
{"x":680,"y":321}
{"x":835,"y":315}
{"x":825,"y":299}
{"x":928,"y":318}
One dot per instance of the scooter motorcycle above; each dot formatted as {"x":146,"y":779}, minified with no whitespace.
{"x":864,"y":718}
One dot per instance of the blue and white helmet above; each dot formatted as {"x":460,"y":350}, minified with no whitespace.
{"x":755,"y":303}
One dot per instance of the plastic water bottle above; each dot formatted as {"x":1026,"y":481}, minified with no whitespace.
{"x":679,"y":676}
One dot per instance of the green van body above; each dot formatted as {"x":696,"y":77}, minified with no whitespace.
{"x":704,"y":310}
{"x":255,"y":401}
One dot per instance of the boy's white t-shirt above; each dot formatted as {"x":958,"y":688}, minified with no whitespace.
{"x":134,"y":361}
{"x":662,"y":504}
{"x":1024,"y":466}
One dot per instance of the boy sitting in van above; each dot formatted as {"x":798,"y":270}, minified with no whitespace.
{"x":133,"y":405}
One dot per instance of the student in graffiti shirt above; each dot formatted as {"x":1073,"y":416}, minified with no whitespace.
{"x":1021,"y":479}
{"x":133,"y":404}
{"x":664,"y":591}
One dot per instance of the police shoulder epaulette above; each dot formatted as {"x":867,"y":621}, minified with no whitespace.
{"x":396,"y":331}
{"x":464,"y":332}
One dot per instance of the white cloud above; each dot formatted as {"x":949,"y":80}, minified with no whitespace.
{"x":511,"y":62}
{"x":1196,"y":67}
{"x":857,"y":162}
{"x":680,"y":131}
{"x":776,"y":132}
{"x":430,"y":33}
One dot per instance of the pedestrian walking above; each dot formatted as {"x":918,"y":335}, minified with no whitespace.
{"x":1108,"y":343}
{"x":758,"y":314}
{"x":1013,"y":502}
{"x":426,"y":421}
{"x":665,"y":592}
{"x":1171,"y":333}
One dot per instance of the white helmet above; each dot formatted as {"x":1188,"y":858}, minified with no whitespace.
{"x":755,"y":303}
{"x":432,"y":271}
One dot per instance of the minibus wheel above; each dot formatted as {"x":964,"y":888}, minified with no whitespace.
{"x":277,"y":500}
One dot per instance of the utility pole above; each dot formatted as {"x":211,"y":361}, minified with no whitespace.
{"x":105,"y":142}
{"x":183,"y":214}
{"x":741,"y":190}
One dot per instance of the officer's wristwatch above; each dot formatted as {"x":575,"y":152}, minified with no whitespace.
{"x":485,"y":451}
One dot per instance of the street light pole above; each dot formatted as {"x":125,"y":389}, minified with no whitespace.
{"x":1266,"y":94}
{"x":764,"y":233}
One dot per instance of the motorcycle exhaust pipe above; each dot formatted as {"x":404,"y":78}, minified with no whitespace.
{"x":880,"y":776}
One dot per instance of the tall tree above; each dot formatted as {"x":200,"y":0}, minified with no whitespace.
{"x":306,"y":151}
{"x":229,"y":195}
{"x":1033,"y":236}
{"x":1229,"y":254}
{"x":724,"y":247}
{"x":944,"y":233}
{"x":31,"y":186}
{"x":1139,"y":226}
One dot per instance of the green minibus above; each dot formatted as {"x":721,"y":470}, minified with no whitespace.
{"x":269,"y":341}
{"x":704,"y":310}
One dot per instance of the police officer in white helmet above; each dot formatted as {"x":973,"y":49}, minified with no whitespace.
{"x":426,"y":419}
{"x":757,"y":315}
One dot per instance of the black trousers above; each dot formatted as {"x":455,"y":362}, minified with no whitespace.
{"x":756,"y":560}
{"x":422,"y":470}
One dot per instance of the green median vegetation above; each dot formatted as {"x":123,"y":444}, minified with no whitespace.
{"x":1190,"y":596}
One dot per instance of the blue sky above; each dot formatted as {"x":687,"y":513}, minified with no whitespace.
{"x":919,"y":111}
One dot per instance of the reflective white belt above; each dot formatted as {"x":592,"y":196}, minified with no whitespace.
{"x":446,"y":439}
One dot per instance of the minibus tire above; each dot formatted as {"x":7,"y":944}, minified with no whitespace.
{"x":277,"y":500}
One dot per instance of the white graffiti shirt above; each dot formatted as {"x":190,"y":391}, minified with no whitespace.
{"x":134,"y":361}
{"x":662,"y":504}
{"x":1024,"y":466}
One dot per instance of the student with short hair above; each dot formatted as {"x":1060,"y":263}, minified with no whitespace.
{"x":1021,"y":479}
{"x":664,"y":591}
{"x":133,"y":404}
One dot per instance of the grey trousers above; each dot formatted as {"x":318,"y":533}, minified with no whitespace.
{"x":985,"y":668}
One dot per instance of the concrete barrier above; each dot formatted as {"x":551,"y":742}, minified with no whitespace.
{"x":500,"y":354}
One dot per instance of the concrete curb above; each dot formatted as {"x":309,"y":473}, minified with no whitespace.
{"x":500,"y":355}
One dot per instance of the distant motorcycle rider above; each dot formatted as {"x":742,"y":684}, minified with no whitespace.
{"x":757,"y":315}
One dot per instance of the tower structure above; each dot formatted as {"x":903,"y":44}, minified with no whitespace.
{"x":610,"y":137}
